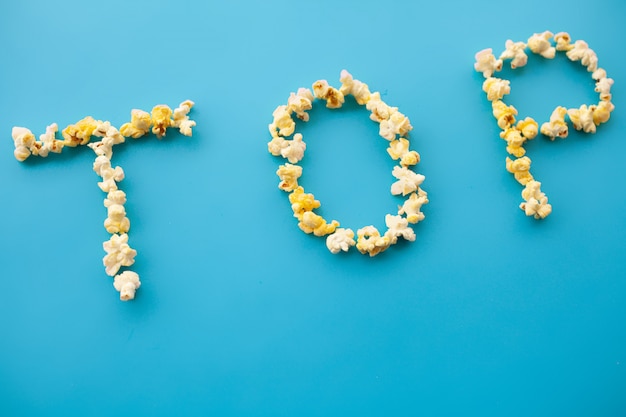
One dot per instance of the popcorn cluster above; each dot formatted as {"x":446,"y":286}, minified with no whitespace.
{"x":118,"y":252}
{"x":393,"y":126}
{"x":585,"y":118}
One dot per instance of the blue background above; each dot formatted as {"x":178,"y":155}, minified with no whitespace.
{"x":488,"y":313}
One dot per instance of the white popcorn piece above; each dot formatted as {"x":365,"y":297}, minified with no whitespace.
{"x":496,"y":88}
{"x":379,"y":109}
{"x":603,"y":87}
{"x":283,"y":124}
{"x":581,"y":52}
{"x":370,"y":241}
{"x":110,"y":137}
{"x":49,"y":142}
{"x":396,"y":124}
{"x":181,"y":118}
{"x":398,"y":226}
{"x":359,"y":90}
{"x":412,"y":207}
{"x":24,"y":140}
{"x":515,"y":51}
{"x":115,"y":197}
{"x":110,"y":176}
{"x":340,"y":240}
{"x":334,"y":98}
{"x":563,"y":41}
{"x":540,"y":44}
{"x":289,"y":175}
{"x":294,"y":149}
{"x":300,"y":102}
{"x":487,"y":63}
{"x":119,"y":254}
{"x":536,"y":203}
{"x":127,"y":284}
{"x":116,"y":221}
{"x":556,"y":127}
{"x":582,"y":118}
{"x":276,"y":145}
{"x":408,"y":181}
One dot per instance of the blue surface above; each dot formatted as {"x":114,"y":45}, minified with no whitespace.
{"x":488,"y":313}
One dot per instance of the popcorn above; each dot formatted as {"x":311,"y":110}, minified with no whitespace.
{"x":110,"y":137}
{"x":300,"y":102}
{"x":408,"y":181}
{"x":514,"y":140}
{"x":302,"y":202}
{"x":487,"y":63}
{"x":340,"y":240}
{"x":110,"y":176}
{"x":116,"y":222}
{"x":288,"y":175}
{"x":392,"y":123}
{"x":603,"y":86}
{"x":181,"y":118}
{"x":80,"y":133}
{"x":24,"y":140}
{"x":581,"y":52}
{"x":505,"y":115}
{"x":410,"y":158}
{"x":396,"y":124}
{"x":138,"y":126}
{"x":115,"y":197}
{"x":49,"y":141}
{"x":536,"y":203}
{"x":360,"y":91}
{"x":556,"y":127}
{"x":563,"y":41}
{"x":118,"y":253}
{"x":496,"y":88}
{"x":380,"y":110}
{"x":582,"y":118}
{"x":283,"y":124}
{"x":520,"y":168}
{"x":370,"y":241}
{"x":398,"y":226}
{"x":412,"y":207}
{"x":126,"y":283}
{"x":161,"y":119}
{"x":312,"y":223}
{"x":334,"y":98}
{"x":294,"y":149}
{"x":529,"y":128}
{"x":515,"y":52}
{"x":540,"y":44}
{"x":602,"y":112}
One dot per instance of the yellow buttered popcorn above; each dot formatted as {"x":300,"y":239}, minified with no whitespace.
{"x":582,"y":118}
{"x":349,"y":86}
{"x":496,"y":88}
{"x":602,"y":112}
{"x":313,"y":223}
{"x":505,"y":115}
{"x":514,"y":140}
{"x":412,"y":207}
{"x":529,"y":128}
{"x":334,"y":98}
{"x":370,"y":241}
{"x":288,"y":175}
{"x":139,"y":125}
{"x":302,"y":202}
{"x":300,"y":103}
{"x":520,"y":168}
{"x":161,"y":117}
{"x":79,"y":133}
{"x":283,"y":124}
{"x":563,"y":41}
